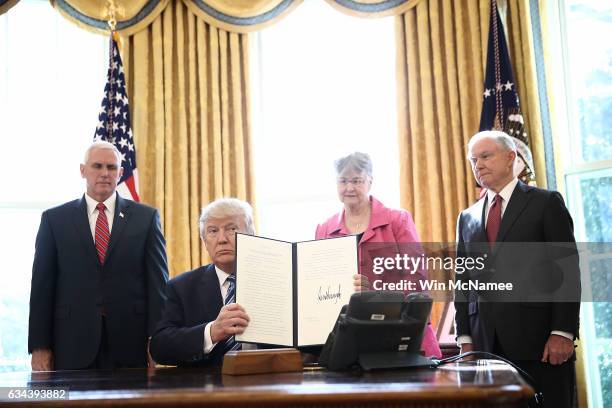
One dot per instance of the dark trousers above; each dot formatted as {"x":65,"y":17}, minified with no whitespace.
{"x":555,"y":382}
{"x":104,"y":358}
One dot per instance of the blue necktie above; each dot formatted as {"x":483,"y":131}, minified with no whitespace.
{"x":230,"y":343}
{"x":230,"y":297}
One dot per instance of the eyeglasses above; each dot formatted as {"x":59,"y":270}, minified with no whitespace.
{"x":357,"y":181}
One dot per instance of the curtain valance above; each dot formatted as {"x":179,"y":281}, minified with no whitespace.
{"x":92,"y":15}
{"x":240,"y":16}
{"x":134,"y":15}
{"x":373,"y":8}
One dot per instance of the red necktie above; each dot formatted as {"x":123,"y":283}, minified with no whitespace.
{"x":494,"y":220}
{"x":102,"y":232}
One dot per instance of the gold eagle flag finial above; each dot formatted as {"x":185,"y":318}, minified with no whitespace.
{"x":111,"y":11}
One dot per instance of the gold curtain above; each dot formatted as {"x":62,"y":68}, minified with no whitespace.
{"x":523,"y":62}
{"x":188,"y":84}
{"x":441,"y":49}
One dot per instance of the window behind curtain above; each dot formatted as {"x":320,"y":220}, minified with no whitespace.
{"x":583,"y":96}
{"x":52,"y":76}
{"x":324,"y":86}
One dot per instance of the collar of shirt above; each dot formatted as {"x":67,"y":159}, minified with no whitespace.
{"x":92,"y":215}
{"x":222,"y":276}
{"x":109,"y":203}
{"x":505,"y":194}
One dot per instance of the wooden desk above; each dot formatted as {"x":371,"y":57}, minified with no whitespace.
{"x":482,"y":383}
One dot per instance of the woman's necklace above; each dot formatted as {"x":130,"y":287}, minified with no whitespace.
{"x":359,"y":221}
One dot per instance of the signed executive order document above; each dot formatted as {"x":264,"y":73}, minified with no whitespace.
{"x":293,"y":292}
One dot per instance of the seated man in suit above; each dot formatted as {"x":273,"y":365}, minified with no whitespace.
{"x":200,"y":318}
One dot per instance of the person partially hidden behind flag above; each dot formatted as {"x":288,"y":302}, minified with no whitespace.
{"x":537,"y":335}
{"x":200,"y":318}
{"x":98,"y":275}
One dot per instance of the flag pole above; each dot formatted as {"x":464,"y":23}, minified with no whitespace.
{"x":111,"y":11}
{"x":112,"y":25}
{"x":114,"y":125}
{"x":500,"y":106}
{"x":497,"y":120}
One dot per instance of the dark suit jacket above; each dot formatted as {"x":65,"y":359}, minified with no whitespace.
{"x":70,"y":288}
{"x":522,"y":324}
{"x":193,"y":300}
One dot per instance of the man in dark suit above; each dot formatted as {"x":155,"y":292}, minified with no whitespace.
{"x":538,"y":335}
{"x":200,"y":319}
{"x":98,"y":276}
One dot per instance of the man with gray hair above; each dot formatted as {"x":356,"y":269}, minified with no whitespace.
{"x":200,"y":317}
{"x":98,"y":275}
{"x":537,"y":335}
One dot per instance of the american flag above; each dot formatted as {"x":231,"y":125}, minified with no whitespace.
{"x":114,"y":123}
{"x":500,"y":105}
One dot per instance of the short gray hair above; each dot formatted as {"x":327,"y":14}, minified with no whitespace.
{"x":360,"y":162}
{"x":228,"y":207}
{"x":503,"y":140}
{"x":103,"y":145}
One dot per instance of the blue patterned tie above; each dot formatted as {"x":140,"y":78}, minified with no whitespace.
{"x":230,"y":297}
{"x":230,"y":343}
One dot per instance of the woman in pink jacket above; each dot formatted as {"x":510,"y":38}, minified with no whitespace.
{"x":377,"y":226}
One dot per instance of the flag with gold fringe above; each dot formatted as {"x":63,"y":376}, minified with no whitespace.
{"x":500,"y":106}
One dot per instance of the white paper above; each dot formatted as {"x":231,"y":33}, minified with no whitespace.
{"x":264,"y":288}
{"x":325,"y":284}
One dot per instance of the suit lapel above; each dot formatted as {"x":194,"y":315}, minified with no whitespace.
{"x":81,"y":224}
{"x":475,"y":228}
{"x":120,"y":220}
{"x":211,"y":293}
{"x":481,"y":213}
{"x":516,"y":205}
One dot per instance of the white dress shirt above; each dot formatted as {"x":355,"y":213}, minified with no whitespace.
{"x":92,"y":212}
{"x":505,"y":195}
{"x":224,"y":286}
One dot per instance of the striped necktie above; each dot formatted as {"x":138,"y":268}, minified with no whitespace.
{"x":102,"y":232}
{"x":230,"y":297}
{"x":230,"y":343}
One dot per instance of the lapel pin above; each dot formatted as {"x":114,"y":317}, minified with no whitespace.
{"x":121,"y":214}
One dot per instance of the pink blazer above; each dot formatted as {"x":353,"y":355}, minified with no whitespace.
{"x":386,"y":226}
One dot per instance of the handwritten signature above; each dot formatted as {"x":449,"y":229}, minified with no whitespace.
{"x":328,"y":294}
